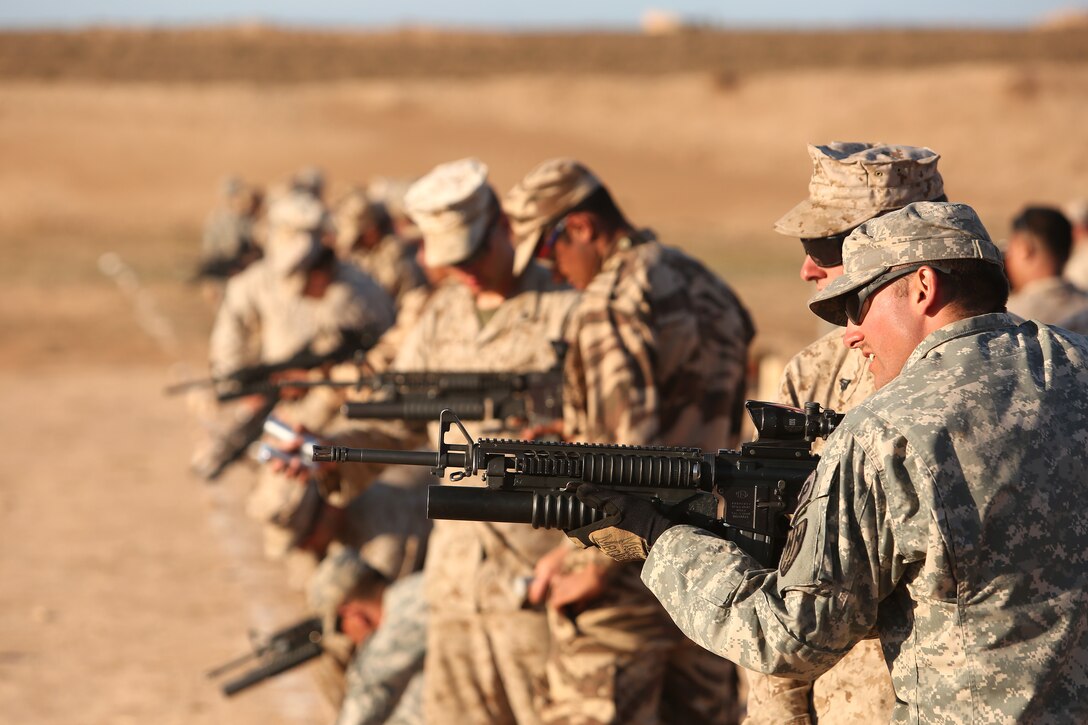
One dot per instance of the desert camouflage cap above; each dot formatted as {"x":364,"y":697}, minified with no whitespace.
{"x":295,"y":222}
{"x":853,"y":182}
{"x":354,"y":212}
{"x":920,"y":232}
{"x":453,"y":206}
{"x":335,"y":577}
{"x":545,"y":194}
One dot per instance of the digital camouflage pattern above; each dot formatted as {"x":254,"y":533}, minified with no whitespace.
{"x":941,"y":517}
{"x":658,"y":352}
{"x":920,"y":232}
{"x":1048,"y":300}
{"x":385,"y":677}
{"x":485,"y":653}
{"x":260,"y":301}
{"x":829,"y":373}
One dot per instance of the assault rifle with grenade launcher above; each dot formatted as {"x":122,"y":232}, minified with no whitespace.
{"x":277,"y":652}
{"x":743,"y":495}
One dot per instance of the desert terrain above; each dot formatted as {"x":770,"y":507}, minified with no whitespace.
{"x":124,"y":578}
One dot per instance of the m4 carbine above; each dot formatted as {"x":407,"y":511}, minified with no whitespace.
{"x":743,"y":495}
{"x":278,"y":652}
{"x":420,"y":396}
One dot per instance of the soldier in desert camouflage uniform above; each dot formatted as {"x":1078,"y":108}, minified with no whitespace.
{"x":485,"y":648}
{"x":1035,"y":256}
{"x":364,"y":236}
{"x":941,"y":514}
{"x":657,"y":356}
{"x":298,"y":295}
{"x":851,"y":183}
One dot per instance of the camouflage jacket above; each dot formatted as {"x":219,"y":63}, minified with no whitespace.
{"x":827,"y":372}
{"x":941,"y":517}
{"x":259,"y":305}
{"x":476,"y":566}
{"x":385,"y":677}
{"x":1048,"y":300}
{"x":658,"y":352}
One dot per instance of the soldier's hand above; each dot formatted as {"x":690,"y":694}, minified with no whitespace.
{"x":630,"y":527}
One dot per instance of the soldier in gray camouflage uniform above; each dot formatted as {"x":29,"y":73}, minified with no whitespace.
{"x":1035,"y":256}
{"x":942,"y":514}
{"x":851,"y":183}
{"x":657,"y":356}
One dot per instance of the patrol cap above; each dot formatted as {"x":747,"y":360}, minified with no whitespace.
{"x":295,"y":222}
{"x":546,"y":193}
{"x":920,"y":232}
{"x":453,"y":206}
{"x":854,"y":182}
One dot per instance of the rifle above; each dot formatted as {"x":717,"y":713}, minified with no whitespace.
{"x":256,"y":379}
{"x":536,"y":396}
{"x":278,"y":652}
{"x":527,"y":480}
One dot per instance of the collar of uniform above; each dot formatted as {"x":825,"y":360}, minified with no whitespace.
{"x":960,"y":328}
{"x":626,"y":242}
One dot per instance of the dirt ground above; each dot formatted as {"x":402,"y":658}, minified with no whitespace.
{"x":125,"y":578}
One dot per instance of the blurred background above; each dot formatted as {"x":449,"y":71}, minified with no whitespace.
{"x":124,"y":578}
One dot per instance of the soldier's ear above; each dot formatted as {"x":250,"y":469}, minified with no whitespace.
{"x":581,"y":227}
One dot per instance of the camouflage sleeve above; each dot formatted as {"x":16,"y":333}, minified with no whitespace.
{"x":789,"y":388}
{"x":800,"y":619}
{"x":389,"y":662}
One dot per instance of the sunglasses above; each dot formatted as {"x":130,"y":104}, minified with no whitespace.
{"x":857,"y":303}
{"x":550,"y":238}
{"x":826,"y":251}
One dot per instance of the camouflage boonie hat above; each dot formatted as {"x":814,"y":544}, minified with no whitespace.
{"x":854,"y":182}
{"x":295,"y":222}
{"x":453,"y":206}
{"x":545,"y":194}
{"x":922,"y":232}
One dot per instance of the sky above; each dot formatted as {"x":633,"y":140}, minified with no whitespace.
{"x":504,"y":14}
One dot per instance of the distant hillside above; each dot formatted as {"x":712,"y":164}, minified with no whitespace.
{"x":272,"y":55}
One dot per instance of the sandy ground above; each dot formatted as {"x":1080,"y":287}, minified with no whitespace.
{"x":124,"y":578}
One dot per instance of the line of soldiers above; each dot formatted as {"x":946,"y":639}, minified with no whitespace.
{"x":490,"y":622}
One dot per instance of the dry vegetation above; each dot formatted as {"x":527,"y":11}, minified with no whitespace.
{"x":116,"y":140}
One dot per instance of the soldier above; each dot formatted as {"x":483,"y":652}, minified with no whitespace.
{"x":380,"y":540}
{"x":1076,"y":269}
{"x":939,"y":516}
{"x":228,"y":244}
{"x":657,"y":356}
{"x":298,"y":296}
{"x":364,"y":236}
{"x":851,"y":183}
{"x":485,"y":648}
{"x":1035,"y":256}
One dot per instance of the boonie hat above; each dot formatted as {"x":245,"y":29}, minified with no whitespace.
{"x":853,"y":182}
{"x":918,"y":233}
{"x":546,"y":193}
{"x":453,"y":206}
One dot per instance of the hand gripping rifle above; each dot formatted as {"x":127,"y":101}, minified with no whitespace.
{"x":743,"y":495}
{"x":277,"y":652}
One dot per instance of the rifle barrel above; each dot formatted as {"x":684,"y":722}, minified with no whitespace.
{"x":338,"y":454}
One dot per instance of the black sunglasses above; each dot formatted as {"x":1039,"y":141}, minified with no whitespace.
{"x":825,"y":251}
{"x":856,"y":303}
